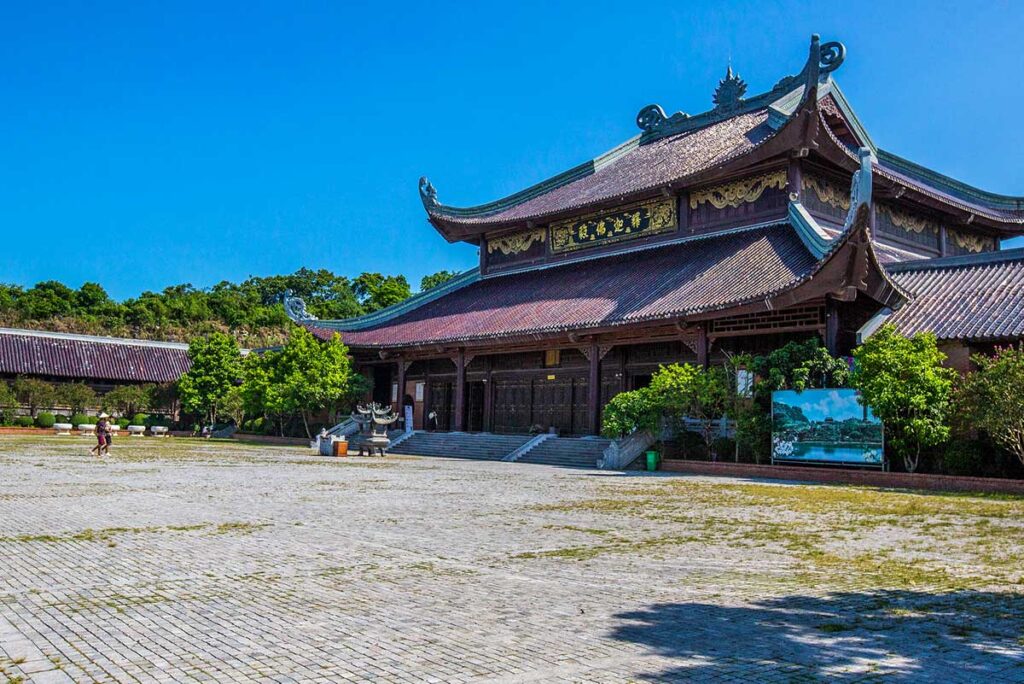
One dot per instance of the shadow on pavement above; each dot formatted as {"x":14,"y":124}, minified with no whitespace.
{"x":956,"y":636}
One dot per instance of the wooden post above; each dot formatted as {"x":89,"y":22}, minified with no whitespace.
{"x":460,"y":391}
{"x":402,"y":367}
{"x":702,"y":345}
{"x":594,"y":390}
{"x":831,"y":327}
{"x":489,"y":397}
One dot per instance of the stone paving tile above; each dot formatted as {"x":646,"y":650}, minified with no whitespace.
{"x":185,"y":561}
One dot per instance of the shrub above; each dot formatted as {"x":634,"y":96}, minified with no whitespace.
{"x":24,"y":421}
{"x":60,"y":418}
{"x":723,"y":447}
{"x":123,"y":423}
{"x":629,"y":412}
{"x":963,"y":456}
{"x":689,"y":391}
{"x":139,"y":419}
{"x":45,"y":420}
{"x":692,"y":445}
{"x":82,"y":419}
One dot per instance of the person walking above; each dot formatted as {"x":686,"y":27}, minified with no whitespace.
{"x":102,"y":436}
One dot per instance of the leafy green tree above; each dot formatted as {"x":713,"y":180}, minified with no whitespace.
{"x":8,"y":402}
{"x":304,"y":377}
{"x":46,"y":300}
{"x":690,"y":391}
{"x":905,"y":384}
{"x":34,"y":394}
{"x":216,"y":367}
{"x":127,"y":400}
{"x":991,"y":397}
{"x":77,"y":396}
{"x":233,"y":405}
{"x":376,"y":291}
{"x":435,"y":279}
{"x":799,"y":366}
{"x":630,"y":412}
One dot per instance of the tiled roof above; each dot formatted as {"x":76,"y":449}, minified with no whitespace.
{"x":627,"y":170}
{"x":33,"y":352}
{"x":978,"y":297}
{"x":690,"y":276}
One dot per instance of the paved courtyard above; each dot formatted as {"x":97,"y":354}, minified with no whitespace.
{"x":178,"y":560}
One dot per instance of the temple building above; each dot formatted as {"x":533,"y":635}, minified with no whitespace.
{"x":766,"y":219}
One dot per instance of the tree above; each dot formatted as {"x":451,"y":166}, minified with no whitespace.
{"x":903,"y":381}
{"x":376,"y":291}
{"x":794,"y":366}
{"x":991,"y":397}
{"x":34,"y":394}
{"x":435,"y":279}
{"x":127,"y":400}
{"x":233,"y":405}
{"x":216,"y":367}
{"x":46,"y":300}
{"x":689,"y":391}
{"x":77,"y":396}
{"x":8,"y":402}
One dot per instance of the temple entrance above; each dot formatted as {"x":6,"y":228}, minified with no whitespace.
{"x":442,"y":404}
{"x":512,"y":398}
{"x":382,"y":391}
{"x":475,"y":406}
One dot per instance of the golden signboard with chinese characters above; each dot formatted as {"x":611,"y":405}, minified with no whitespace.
{"x":635,"y":221}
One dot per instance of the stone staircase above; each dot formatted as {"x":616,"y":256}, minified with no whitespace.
{"x":480,"y":446}
{"x":570,"y":452}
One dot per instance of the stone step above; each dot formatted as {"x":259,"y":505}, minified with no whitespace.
{"x":567,"y":452}
{"x":461,"y":445}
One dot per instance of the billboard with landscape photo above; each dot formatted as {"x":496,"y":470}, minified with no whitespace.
{"x":825,"y":426}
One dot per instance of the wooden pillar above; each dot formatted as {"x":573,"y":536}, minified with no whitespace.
{"x":402,"y":367}
{"x":831,"y":327}
{"x":702,"y":345}
{"x":489,"y":397}
{"x":943,"y":242}
{"x":459,"y":419}
{"x":594,"y":390}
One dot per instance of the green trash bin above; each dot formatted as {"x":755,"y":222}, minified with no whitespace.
{"x":652,"y":460}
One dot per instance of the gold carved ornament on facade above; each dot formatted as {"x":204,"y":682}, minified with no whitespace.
{"x":639,"y":220}
{"x":516,"y":243}
{"x":827,"y":193}
{"x":910,"y":223}
{"x":739,"y":192}
{"x":970,"y":241}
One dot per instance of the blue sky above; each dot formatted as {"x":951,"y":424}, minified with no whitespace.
{"x":153,"y":143}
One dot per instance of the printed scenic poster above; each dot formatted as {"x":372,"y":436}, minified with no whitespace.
{"x":825,"y":426}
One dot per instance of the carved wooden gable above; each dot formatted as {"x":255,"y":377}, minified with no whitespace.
{"x":738,"y":202}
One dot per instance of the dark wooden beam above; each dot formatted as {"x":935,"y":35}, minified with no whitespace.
{"x":702,"y":346}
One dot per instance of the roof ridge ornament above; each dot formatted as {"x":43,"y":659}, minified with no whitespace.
{"x":730,"y":91}
{"x":428,"y":194}
{"x":860,"y":187}
{"x":295,"y":307}
{"x":822,"y":59}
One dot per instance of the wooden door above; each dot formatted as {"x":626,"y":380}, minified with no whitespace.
{"x":442,"y":402}
{"x":475,"y":406}
{"x":580,"y":410}
{"x":552,"y":404}
{"x":512,"y":399}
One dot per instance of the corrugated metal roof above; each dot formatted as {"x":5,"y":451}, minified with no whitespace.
{"x":658,"y":283}
{"x":34,"y":352}
{"x":976,"y":297}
